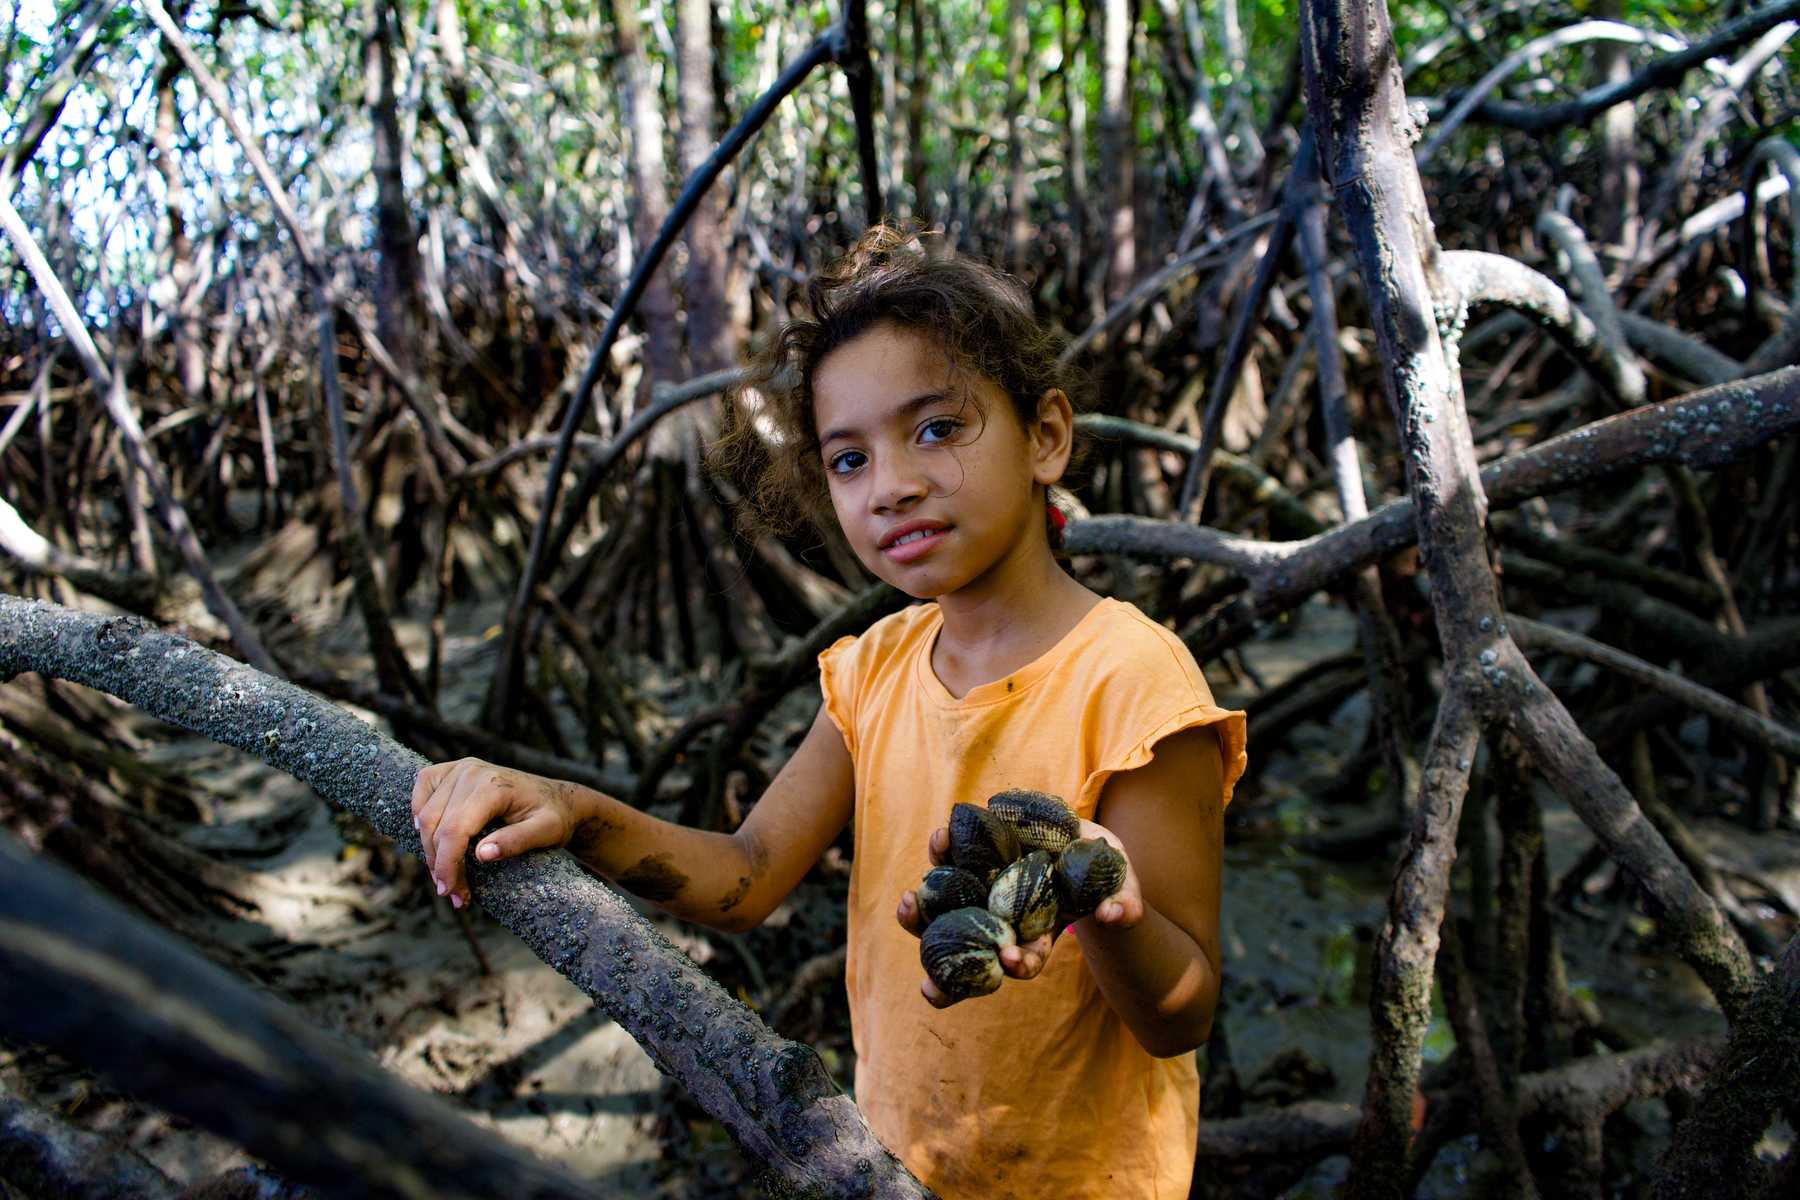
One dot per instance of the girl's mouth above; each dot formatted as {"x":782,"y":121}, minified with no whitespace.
{"x":914,"y":543}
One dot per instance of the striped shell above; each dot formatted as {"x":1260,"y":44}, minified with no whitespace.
{"x":947,"y":888}
{"x":961,"y":952}
{"x":1043,"y":821}
{"x":1088,"y":872}
{"x":981,"y":843}
{"x":1024,"y":896}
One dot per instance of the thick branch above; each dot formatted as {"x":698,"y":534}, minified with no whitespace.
{"x":1482,"y":278}
{"x":1406,"y":950}
{"x":1530,"y":52}
{"x":1662,"y":72}
{"x":1712,"y":1151}
{"x":1783,"y":346}
{"x":1681,"y":351}
{"x":466,"y":738}
{"x":1148,"y":537}
{"x":1597,"y":302}
{"x":1722,"y":663}
{"x":1309,"y":1130}
{"x":80,"y":973}
{"x":773,"y":1095}
{"x":1779,"y":153}
{"x":1692,"y":594}
{"x":1363,"y":125}
{"x":1758,"y":728}
{"x":1709,"y":428}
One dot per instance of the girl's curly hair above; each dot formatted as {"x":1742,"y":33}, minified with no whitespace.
{"x":980,"y":318}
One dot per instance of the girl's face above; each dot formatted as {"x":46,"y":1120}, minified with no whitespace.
{"x":934,"y":480}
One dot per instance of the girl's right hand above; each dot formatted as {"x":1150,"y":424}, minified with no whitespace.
{"x":938,"y":846}
{"x":454,"y":801}
{"x":1019,"y":962}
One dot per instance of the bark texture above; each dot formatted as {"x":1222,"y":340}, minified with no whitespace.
{"x":1712,"y":1151}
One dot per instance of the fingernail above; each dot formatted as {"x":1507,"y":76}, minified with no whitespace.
{"x":488,"y":852}
{"x":416,"y":824}
{"x":441,"y":887}
{"x":455,"y":901}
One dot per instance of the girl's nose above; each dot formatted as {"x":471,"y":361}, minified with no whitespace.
{"x":899,"y":483}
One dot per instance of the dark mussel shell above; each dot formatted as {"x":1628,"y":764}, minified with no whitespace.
{"x":980,"y":842}
{"x":1043,"y":821}
{"x":1024,"y":896}
{"x":1088,"y":872}
{"x":946,"y":888}
{"x":961,"y":952}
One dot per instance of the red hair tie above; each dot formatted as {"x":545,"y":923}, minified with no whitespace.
{"x":1056,"y":516}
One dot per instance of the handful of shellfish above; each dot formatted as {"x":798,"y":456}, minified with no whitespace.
{"x":1019,"y":869}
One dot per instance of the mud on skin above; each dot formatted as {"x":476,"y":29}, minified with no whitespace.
{"x":585,"y":842}
{"x":654,"y":878}
{"x":736,"y":894}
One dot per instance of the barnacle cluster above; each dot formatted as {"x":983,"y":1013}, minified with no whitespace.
{"x":1019,"y":870}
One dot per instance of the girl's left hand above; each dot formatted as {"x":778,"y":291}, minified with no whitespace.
{"x":1123,"y":909}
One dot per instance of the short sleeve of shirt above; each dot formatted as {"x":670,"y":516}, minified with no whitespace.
{"x":856,"y":673}
{"x":839,"y":680}
{"x":1144,"y":689}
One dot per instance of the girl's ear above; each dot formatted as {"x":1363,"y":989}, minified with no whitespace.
{"x":1052,"y":436}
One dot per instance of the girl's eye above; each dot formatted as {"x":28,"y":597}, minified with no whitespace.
{"x":939,"y":429}
{"x":846,"y":462}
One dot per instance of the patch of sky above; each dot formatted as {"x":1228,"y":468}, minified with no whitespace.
{"x":96,"y":161}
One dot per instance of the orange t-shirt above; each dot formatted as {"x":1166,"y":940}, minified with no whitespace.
{"x":1040,"y":1088}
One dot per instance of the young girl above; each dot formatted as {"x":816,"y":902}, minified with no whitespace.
{"x":923,"y":409}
